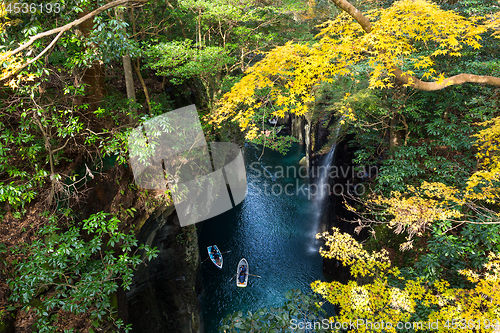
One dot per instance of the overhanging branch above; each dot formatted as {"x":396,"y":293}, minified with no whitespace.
{"x":410,"y":80}
{"x":61,"y":30}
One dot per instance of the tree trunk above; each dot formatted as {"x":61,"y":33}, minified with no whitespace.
{"x":181,"y":24}
{"x":48,"y":146}
{"x":143,"y":84}
{"x":94,"y":75}
{"x":129,"y":74}
{"x":137,"y":64}
{"x":199,"y":28}
{"x":129,"y":82}
{"x":395,"y":136}
{"x":307,"y":139}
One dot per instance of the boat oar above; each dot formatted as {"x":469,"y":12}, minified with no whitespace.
{"x":255,"y":275}
{"x":226,"y":252}
{"x":205,"y":260}
{"x":233,"y":277}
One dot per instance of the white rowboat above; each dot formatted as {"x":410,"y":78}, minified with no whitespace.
{"x":242,"y":273}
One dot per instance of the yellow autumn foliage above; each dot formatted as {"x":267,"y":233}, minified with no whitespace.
{"x":494,"y":23}
{"x":413,"y":214}
{"x":411,"y":34}
{"x":372,"y":297}
{"x":3,"y":17}
{"x":381,"y":293}
{"x":483,"y":184}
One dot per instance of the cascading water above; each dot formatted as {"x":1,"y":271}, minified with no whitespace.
{"x":322,"y":173}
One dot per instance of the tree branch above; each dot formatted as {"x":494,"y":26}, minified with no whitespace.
{"x":355,"y":13}
{"x":454,"y":80}
{"x":64,"y":28}
{"x":62,"y":147}
{"x":35,"y":58}
{"x":410,"y":80}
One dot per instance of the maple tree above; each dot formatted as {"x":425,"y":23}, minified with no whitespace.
{"x":390,"y":298}
{"x":288,"y":77}
{"x":458,"y":282}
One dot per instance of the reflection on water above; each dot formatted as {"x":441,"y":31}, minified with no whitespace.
{"x":275,"y":233}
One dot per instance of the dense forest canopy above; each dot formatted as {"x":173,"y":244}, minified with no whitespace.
{"x":413,"y":82}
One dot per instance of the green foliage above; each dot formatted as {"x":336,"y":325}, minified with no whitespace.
{"x":20,"y":186}
{"x":182,"y":60}
{"x":68,"y":271}
{"x":277,"y":142}
{"x":247,"y":24}
{"x":439,"y":146}
{"x":448,"y":253}
{"x":471,"y":7}
{"x":218,"y":40}
{"x":111,"y":36}
{"x":299,"y":310}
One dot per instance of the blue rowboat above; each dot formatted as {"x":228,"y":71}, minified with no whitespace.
{"x":215,"y":256}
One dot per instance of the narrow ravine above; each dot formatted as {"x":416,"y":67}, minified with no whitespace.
{"x":272,"y":229}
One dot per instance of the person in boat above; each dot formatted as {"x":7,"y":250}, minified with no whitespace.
{"x":241,"y":278}
{"x":215,"y":255}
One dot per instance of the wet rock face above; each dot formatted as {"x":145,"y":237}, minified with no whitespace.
{"x":338,"y":215}
{"x":163,"y":297}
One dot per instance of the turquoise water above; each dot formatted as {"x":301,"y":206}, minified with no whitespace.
{"x":274,"y":232}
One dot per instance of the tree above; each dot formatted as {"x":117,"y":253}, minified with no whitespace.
{"x":298,"y":314}
{"x":384,"y":297}
{"x":182,"y":61}
{"x":71,"y":268}
{"x":127,"y":69}
{"x":289,"y":75}
{"x":66,"y":273}
{"x":449,"y":31}
{"x":15,"y":62}
{"x":226,"y":37}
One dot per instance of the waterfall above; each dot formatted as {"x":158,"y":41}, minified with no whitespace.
{"x":322,"y":191}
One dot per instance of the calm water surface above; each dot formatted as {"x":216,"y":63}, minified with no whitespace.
{"x":275,"y":233}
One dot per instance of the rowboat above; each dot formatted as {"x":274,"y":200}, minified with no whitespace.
{"x":215,"y":256}
{"x":242,"y":273}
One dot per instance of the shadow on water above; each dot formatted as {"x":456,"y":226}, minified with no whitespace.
{"x":272,"y":230}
